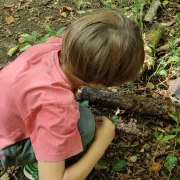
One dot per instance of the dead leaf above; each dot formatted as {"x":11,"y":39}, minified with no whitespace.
{"x":155,"y":95}
{"x":156,"y":167}
{"x":150,"y":85}
{"x":8,"y":5}
{"x":21,"y":40}
{"x":5,"y":177}
{"x":66,"y":8}
{"x":64,"y":14}
{"x":142,"y":150}
{"x":10,"y":20}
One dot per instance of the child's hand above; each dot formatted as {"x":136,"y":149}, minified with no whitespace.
{"x":105,"y":130}
{"x":174,"y":86}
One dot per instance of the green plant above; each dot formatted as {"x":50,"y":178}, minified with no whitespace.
{"x":178,"y":21}
{"x":115,"y":120}
{"x":103,"y":163}
{"x":79,"y":3}
{"x":171,"y":160}
{"x":34,"y":38}
{"x":138,"y":10}
{"x":119,"y":165}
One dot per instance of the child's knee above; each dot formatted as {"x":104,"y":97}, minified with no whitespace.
{"x":86,"y":125}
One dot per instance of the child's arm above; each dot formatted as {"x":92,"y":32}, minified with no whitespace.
{"x":105,"y":131}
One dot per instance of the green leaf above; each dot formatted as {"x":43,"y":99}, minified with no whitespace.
{"x":174,"y":58}
{"x":42,"y":40}
{"x":119,"y":165}
{"x":34,"y":35}
{"x":25,"y":47}
{"x":27,"y":37}
{"x":171,"y":159}
{"x":177,"y":139}
{"x":59,"y":32}
{"x":159,"y":136}
{"x":13,"y":50}
{"x":169,"y":167}
{"x":163,"y":73}
{"x":81,"y":12}
{"x":85,"y":103}
{"x":162,"y":62}
{"x":89,"y":10}
{"x":50,"y":31}
{"x":167,"y":138}
{"x":115,"y":120}
{"x":176,"y":130}
{"x":175,"y":118}
{"x":102,"y":162}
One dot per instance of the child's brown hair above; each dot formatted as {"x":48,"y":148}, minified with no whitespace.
{"x":103,"y":48}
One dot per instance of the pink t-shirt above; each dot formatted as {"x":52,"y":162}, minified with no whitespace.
{"x":37,"y":102}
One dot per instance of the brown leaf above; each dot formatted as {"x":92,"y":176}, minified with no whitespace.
{"x":66,"y":8}
{"x":64,"y":14}
{"x":150,"y":85}
{"x":10,"y":20}
{"x":156,"y":167}
{"x":8,"y":5}
{"x":142,"y":150}
{"x":155,"y":95}
{"x":20,"y":40}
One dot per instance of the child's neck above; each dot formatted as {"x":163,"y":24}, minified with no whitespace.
{"x":75,"y":81}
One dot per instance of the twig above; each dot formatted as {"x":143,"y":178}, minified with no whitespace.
{"x":152,"y":12}
{"x":165,"y":47}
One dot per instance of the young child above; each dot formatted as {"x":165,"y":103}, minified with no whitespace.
{"x":40,"y":119}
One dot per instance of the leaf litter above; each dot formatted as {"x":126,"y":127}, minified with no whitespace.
{"x":135,"y":153}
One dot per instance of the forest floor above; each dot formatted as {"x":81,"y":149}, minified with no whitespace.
{"x":138,"y":151}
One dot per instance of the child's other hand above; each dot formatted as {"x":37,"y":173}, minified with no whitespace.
{"x":105,"y":130}
{"x":174,"y":86}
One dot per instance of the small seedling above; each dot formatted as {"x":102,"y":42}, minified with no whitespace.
{"x":163,"y":138}
{"x":171,"y":162}
{"x":34,"y":38}
{"x":115,"y":120}
{"x":103,"y":163}
{"x":178,"y":21}
{"x":119,"y":165}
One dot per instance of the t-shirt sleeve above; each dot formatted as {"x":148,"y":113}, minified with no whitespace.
{"x":54,"y":133}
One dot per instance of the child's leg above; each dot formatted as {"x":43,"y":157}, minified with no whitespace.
{"x":18,"y":154}
{"x":86,"y":127}
{"x":22,"y":152}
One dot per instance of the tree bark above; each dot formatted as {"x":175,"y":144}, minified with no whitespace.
{"x":130,"y":102}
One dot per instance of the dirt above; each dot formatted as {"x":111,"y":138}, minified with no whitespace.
{"x":135,"y":137}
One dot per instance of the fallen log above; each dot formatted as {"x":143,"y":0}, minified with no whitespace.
{"x":130,"y":102}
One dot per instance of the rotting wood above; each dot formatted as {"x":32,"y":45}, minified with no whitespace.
{"x":130,"y":102}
